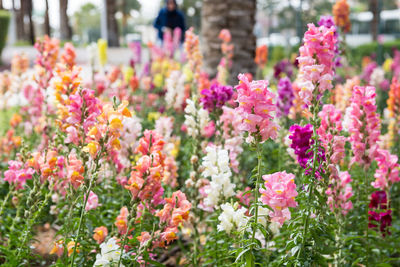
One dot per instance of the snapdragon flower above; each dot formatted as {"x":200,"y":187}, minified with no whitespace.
{"x":231,"y":218}
{"x":216,"y":166}
{"x":109,"y":255}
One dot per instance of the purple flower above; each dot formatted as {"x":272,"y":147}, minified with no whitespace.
{"x":378,"y":200}
{"x":301,"y":143}
{"x":216,"y":96}
{"x":383,"y":219}
{"x":285,"y":97}
{"x":366,"y":75}
{"x":283,"y":66}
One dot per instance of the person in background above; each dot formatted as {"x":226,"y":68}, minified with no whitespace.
{"x":170,"y":18}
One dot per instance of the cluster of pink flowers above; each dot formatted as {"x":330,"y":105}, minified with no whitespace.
{"x":329,"y":133}
{"x":68,"y":56}
{"x":173,"y":214}
{"x":340,"y":191}
{"x":17,"y":173}
{"x":256,"y":108}
{"x":232,"y":135}
{"x":316,"y":61}
{"x":83,"y":109}
{"x":145,"y":180}
{"x":279,"y":194}
{"x":364,"y":125}
{"x":388,"y":170}
{"x":122,"y":220}
{"x":92,"y":202}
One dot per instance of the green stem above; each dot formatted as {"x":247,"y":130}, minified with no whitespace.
{"x":306,"y":215}
{"x":127,"y":231}
{"x":366,"y":205}
{"x":80,"y":221}
{"x":259,"y":159}
{"x":3,"y":204}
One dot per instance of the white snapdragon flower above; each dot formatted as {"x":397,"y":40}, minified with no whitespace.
{"x":109,"y":255}
{"x":231,"y":218}
{"x":377,"y":77}
{"x":216,"y":166}
{"x":288,"y":142}
{"x":347,"y":119}
{"x":164,"y":126}
{"x":195,"y":119}
{"x":175,"y":90}
{"x":132,"y":129}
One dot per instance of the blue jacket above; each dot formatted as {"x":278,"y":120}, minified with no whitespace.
{"x":169,"y":19}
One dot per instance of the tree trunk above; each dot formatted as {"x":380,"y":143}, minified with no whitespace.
{"x":19,"y":14}
{"x":238,"y":17}
{"x":112,"y":26}
{"x":1,"y":4}
{"x":374,"y":8}
{"x":25,"y":27}
{"x":65,"y":28}
{"x":46,"y":19}
{"x":29,"y":8}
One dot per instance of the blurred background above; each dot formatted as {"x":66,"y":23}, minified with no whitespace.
{"x":276,"y":23}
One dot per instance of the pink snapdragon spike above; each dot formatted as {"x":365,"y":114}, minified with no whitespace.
{"x":364,"y":125}
{"x":17,"y":174}
{"x":68,"y":55}
{"x":329,"y":132}
{"x":232,"y":135}
{"x":256,"y":108}
{"x":316,"y":61}
{"x":340,"y":191}
{"x":279,"y":194}
{"x":92,"y":202}
{"x":388,"y":170}
{"x":122,"y":220}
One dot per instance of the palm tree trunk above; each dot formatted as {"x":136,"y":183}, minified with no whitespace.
{"x":46,"y":19}
{"x":65,"y":28}
{"x":112,"y":26}
{"x":238,"y":17}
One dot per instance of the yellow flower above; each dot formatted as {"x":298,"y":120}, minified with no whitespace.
{"x":116,"y":144}
{"x":158,"y":80}
{"x":152,"y":116}
{"x":128,"y":73}
{"x":102,"y":50}
{"x":387,"y":65}
{"x":116,"y":124}
{"x":91,"y":148}
{"x":71,"y":246}
{"x":188,"y":73}
{"x":93,"y":132}
{"x":165,"y":66}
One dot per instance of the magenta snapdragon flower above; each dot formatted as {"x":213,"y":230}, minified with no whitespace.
{"x":301,"y":144}
{"x":380,"y":216}
{"x":285,"y":97}
{"x":216,"y":96}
